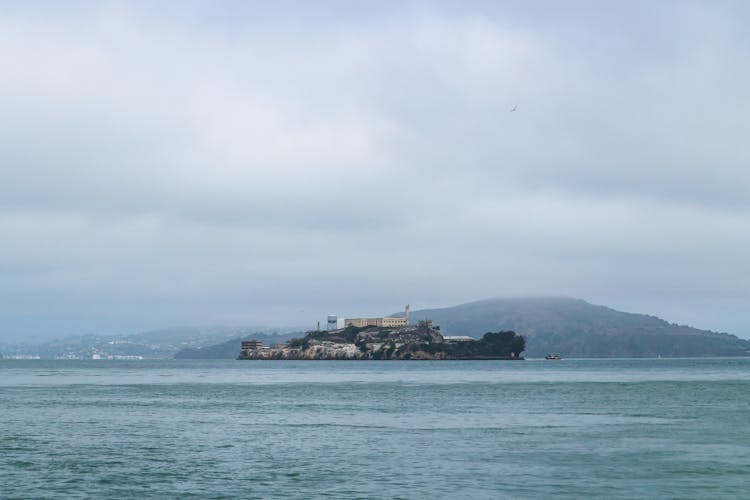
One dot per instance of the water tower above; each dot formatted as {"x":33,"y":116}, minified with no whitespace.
{"x":332,"y":321}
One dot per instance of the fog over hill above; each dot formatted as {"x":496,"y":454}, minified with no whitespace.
{"x":153,"y":344}
{"x":566,"y":326}
{"x":575,"y":328}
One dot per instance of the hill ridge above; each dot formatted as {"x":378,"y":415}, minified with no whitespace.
{"x":577,"y":328}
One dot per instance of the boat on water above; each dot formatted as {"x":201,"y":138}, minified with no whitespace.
{"x":552,"y":356}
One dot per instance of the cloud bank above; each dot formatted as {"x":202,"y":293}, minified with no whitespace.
{"x":196,"y":163}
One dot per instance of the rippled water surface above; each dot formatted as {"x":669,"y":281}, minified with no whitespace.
{"x":366,"y":429}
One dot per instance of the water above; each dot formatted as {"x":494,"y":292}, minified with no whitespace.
{"x":486,"y":429}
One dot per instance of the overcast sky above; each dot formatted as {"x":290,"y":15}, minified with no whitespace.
{"x":239,"y":163}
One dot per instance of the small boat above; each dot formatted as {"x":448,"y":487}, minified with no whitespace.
{"x":552,"y":356}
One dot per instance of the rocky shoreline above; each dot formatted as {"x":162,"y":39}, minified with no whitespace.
{"x":421,"y":342}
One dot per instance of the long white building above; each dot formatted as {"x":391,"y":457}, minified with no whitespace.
{"x":387,"y":321}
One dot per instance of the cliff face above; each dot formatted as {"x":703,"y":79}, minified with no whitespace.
{"x":334,"y":351}
{"x":322,"y":350}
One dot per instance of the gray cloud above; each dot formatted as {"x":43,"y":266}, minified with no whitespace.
{"x":254,"y":164}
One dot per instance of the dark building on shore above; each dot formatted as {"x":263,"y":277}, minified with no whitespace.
{"x":251,"y":345}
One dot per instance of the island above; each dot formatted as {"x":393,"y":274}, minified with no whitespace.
{"x":408,"y":342}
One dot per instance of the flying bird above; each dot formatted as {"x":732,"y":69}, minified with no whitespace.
{"x":513,"y":108}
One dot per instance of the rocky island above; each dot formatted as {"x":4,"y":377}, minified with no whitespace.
{"x":420,"y":342}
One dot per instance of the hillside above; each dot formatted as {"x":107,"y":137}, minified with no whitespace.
{"x":576,"y":328}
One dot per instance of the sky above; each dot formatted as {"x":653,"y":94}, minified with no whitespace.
{"x":268,"y":163}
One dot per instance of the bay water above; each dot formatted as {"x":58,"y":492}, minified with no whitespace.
{"x":657,"y":428}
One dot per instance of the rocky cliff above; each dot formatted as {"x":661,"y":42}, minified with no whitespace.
{"x":414,"y":342}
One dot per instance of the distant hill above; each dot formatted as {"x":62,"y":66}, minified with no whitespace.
{"x":156,"y":344}
{"x":231,"y":348}
{"x":575,"y":328}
